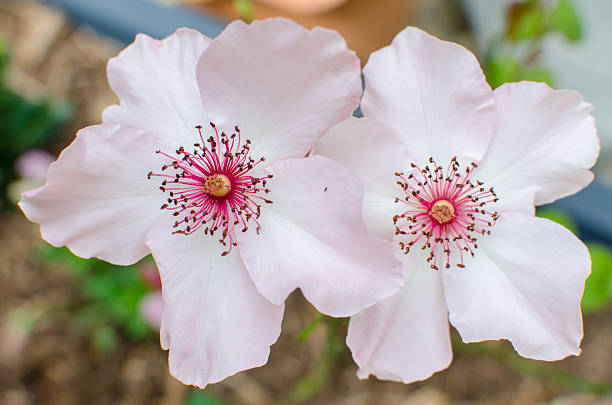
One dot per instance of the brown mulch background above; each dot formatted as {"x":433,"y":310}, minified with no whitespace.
{"x":51,"y":364}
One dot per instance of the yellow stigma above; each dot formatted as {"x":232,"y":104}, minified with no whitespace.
{"x":217,"y":185}
{"x":442,"y":211}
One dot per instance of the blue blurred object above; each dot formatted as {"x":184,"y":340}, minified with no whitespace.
{"x":123,"y":19}
{"x":591,"y":209}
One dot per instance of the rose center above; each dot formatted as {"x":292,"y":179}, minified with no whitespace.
{"x":212,"y":189}
{"x":217,"y":185}
{"x":442,"y":211}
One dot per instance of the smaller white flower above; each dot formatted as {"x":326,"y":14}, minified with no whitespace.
{"x":452,"y":172}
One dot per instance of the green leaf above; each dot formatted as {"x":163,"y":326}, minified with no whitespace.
{"x":502,"y":69}
{"x":559,"y":216}
{"x":202,"y":398}
{"x":524,"y":20}
{"x":598,"y":288}
{"x":564,"y":19}
{"x":244,"y":8}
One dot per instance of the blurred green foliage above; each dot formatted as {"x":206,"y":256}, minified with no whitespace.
{"x":564,"y":19}
{"x":201,"y":398}
{"x":524,"y":20}
{"x":244,"y":8}
{"x":113,"y":294}
{"x":23,"y":125}
{"x":598,"y":288}
{"x":307,"y":331}
{"x":335,"y":350}
{"x":559,"y":216}
{"x":531,"y":19}
{"x":541,"y":370}
{"x":515,"y":55}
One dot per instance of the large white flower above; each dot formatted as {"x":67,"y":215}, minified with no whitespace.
{"x":452,"y":171}
{"x":245,"y":218}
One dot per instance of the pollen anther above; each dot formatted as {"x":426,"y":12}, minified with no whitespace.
{"x":217,"y":185}
{"x":442,"y":211}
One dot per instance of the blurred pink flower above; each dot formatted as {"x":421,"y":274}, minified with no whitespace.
{"x":151,"y":307}
{"x":452,"y":171}
{"x":245,"y":219}
{"x":305,"y":7}
{"x":149,"y":273}
{"x":33,"y":165}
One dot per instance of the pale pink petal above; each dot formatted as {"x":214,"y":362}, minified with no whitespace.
{"x":372,"y":152}
{"x":378,"y":212}
{"x":545,"y":139}
{"x":156,"y":84}
{"x":283,"y":85}
{"x":97,"y":199}
{"x":404,"y":337}
{"x":433,"y":93}
{"x":313,"y":237}
{"x":215,"y":323}
{"x":524,"y":285}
